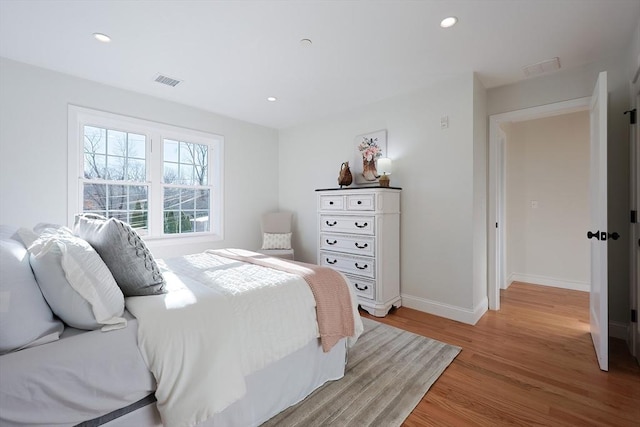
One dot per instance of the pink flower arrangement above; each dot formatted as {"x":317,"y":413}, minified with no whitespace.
{"x":369,"y":149}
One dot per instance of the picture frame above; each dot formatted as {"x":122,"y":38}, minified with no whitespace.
{"x":368,"y":148}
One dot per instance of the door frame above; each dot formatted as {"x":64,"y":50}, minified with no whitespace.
{"x":496,"y":267}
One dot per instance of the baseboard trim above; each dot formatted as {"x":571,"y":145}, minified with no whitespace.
{"x":549,"y":281}
{"x":618,"y":330}
{"x":460,"y":314}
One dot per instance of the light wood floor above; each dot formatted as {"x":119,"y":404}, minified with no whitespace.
{"x":531,"y":363}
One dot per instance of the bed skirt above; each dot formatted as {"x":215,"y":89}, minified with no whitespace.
{"x":269,"y":390}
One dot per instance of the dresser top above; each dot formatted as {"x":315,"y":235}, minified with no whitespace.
{"x":359,"y":188}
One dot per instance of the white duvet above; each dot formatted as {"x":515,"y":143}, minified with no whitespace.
{"x":220,"y":321}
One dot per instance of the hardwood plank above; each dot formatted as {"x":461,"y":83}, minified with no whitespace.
{"x":531,"y":363}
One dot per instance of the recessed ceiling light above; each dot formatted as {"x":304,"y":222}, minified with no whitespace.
{"x":449,"y":21}
{"x":102,"y":37}
{"x":272,"y":99}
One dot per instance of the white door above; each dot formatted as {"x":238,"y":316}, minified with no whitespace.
{"x":598,"y":300}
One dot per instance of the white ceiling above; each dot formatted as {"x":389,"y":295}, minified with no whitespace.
{"x":232,"y":55}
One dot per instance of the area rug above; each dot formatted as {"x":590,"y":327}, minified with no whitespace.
{"x":388,"y":372}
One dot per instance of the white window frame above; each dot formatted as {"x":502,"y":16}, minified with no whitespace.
{"x":156,"y":133}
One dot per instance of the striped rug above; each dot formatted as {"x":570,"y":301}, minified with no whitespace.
{"x":388,"y":373}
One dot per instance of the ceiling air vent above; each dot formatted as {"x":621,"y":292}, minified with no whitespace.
{"x":169,"y":81}
{"x":543,"y":67}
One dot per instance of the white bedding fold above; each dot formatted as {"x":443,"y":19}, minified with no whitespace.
{"x":185,"y":340}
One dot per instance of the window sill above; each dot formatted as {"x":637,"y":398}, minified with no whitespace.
{"x":162,"y":241}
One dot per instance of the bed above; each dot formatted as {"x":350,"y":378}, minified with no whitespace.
{"x":231,"y":339}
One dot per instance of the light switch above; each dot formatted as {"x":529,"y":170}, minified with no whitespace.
{"x":444,"y":122}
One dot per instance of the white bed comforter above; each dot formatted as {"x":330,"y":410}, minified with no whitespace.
{"x":220,"y":321}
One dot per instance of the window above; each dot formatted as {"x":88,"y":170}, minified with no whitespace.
{"x":163,"y":180}
{"x":115,"y":178}
{"x":185,"y":193}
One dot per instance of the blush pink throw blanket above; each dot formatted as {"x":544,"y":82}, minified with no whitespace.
{"x":333,"y":300}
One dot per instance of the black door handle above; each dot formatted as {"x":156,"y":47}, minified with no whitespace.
{"x":602,"y":235}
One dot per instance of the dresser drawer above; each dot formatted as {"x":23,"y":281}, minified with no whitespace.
{"x":347,"y":224}
{"x":357,"y":245}
{"x":361,"y":202}
{"x":363,"y":287}
{"x":331,"y":203}
{"x":361,"y":266}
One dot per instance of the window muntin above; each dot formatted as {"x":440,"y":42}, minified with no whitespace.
{"x":163,"y":180}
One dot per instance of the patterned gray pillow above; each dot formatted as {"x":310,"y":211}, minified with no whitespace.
{"x":124,"y":252}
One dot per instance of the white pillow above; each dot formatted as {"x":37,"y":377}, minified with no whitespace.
{"x":276,"y":241}
{"x":25,"y":318}
{"x":76,"y":282}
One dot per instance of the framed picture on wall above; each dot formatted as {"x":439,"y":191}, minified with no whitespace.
{"x":368,"y":148}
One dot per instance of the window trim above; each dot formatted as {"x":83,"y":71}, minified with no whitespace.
{"x":156,"y":132}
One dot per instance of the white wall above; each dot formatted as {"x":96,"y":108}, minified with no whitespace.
{"x":33,"y":151}
{"x":578,"y":83}
{"x":548,"y":162}
{"x":434,"y":167}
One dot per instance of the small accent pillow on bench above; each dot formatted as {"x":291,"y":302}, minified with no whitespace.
{"x":121,"y":248}
{"x":276,"y":241}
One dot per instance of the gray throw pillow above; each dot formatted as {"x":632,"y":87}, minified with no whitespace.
{"x":124,"y":252}
{"x":25,"y":318}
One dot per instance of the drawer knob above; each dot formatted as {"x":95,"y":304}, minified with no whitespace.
{"x":359,"y":202}
{"x":361,"y":289}
{"x":331,"y":224}
{"x":361,"y":226}
{"x":360,"y":247}
{"x":331,"y":262}
{"x":361,"y":268}
{"x":330,"y":203}
{"x":331,"y":243}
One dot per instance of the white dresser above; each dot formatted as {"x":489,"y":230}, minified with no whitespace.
{"x":359,"y":235}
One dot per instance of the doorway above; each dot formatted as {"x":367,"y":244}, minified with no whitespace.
{"x":547,"y":201}
{"x":497,"y":207}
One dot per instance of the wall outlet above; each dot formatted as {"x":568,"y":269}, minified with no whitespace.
{"x":444,"y":122}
